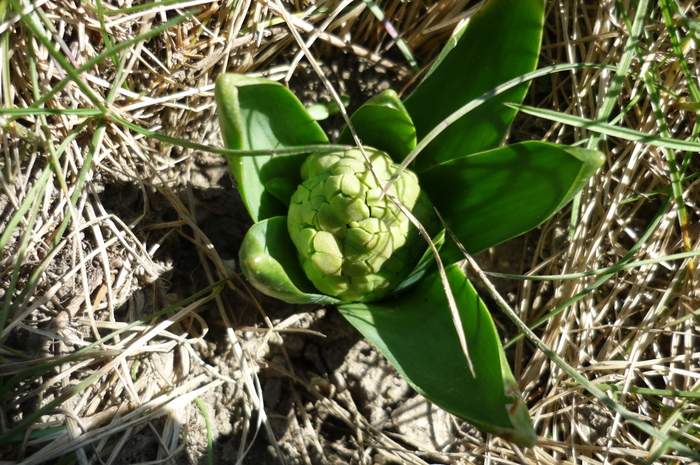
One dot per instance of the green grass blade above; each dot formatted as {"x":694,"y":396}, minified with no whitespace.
{"x":291,"y":150}
{"x":623,"y":69}
{"x":652,"y":392}
{"x":620,"y":266}
{"x":126,"y":45}
{"x":398,"y":40}
{"x":50,"y":111}
{"x":604,"y":277}
{"x":36,"y":23}
{"x":210,"y":441}
{"x":610,"y":130}
{"x":7,"y":307}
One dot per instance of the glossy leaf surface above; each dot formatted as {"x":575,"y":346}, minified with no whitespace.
{"x":489,"y":197}
{"x":416,"y":334}
{"x":256,"y":114}
{"x":499,"y":43}
{"x":269,"y":260}
{"x":383,"y":123}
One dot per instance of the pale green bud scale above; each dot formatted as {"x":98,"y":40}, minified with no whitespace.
{"x":353,"y":243}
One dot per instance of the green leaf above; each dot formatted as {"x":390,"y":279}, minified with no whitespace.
{"x":269,"y":260}
{"x":257,"y":114}
{"x":383,"y":123}
{"x":424,"y":266}
{"x":489,"y":197}
{"x":415,"y":332}
{"x":499,"y":43}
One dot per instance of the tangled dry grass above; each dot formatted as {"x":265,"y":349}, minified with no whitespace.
{"x":127,"y":336}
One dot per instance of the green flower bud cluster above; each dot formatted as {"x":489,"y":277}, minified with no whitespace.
{"x":353,"y":245}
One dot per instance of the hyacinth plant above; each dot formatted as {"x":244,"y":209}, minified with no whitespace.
{"x":361,"y":227}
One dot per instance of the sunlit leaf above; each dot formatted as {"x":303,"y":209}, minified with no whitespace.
{"x":269,"y":260}
{"x":254,"y":114}
{"x":489,"y":197}
{"x":383,"y":123}
{"x":415,"y":332}
{"x":499,"y":43}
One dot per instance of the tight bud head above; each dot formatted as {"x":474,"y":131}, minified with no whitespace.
{"x":353,"y":243}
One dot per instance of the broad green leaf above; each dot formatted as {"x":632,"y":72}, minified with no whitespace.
{"x":499,"y":43}
{"x":257,"y":114}
{"x":269,"y":260}
{"x":489,"y":197}
{"x":383,"y":123}
{"x":416,"y":333}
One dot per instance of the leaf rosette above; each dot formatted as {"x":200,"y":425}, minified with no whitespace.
{"x":322,"y":232}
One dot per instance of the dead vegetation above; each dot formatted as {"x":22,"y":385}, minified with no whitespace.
{"x":126,"y":335}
